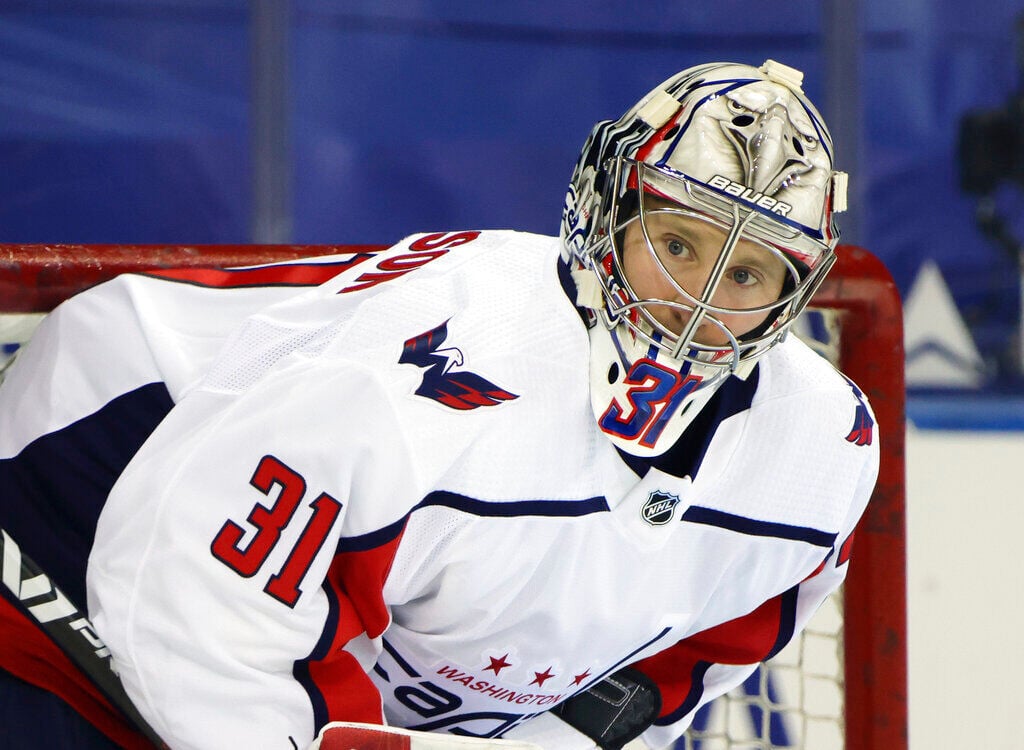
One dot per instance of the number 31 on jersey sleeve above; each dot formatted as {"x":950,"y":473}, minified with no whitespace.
{"x":249,"y":559}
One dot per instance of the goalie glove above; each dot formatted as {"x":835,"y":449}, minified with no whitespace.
{"x":343,"y":735}
{"x":614,"y":711}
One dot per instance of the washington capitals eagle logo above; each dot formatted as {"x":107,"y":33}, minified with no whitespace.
{"x":863,"y":431}
{"x":441,"y":382}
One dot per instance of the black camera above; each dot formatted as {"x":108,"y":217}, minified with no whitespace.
{"x":991,"y":147}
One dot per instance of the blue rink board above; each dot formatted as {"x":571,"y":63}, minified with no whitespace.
{"x":969,"y":412}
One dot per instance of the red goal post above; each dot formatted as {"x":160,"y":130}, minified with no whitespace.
{"x":863,"y":297}
{"x":871,"y":353}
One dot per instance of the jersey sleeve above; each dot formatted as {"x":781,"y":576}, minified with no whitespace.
{"x":696,"y":670}
{"x":239,"y":563}
{"x":136,"y":330}
{"x":95,"y":379}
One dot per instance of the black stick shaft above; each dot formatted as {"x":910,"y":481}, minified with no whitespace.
{"x":68,"y":627}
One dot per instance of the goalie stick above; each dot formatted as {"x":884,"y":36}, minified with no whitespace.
{"x":68,"y":627}
{"x":345,"y":735}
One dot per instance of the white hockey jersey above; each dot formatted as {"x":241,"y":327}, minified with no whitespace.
{"x":386,"y":498}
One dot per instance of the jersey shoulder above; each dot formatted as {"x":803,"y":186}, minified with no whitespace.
{"x":799,"y":385}
{"x":439,"y":253}
{"x":476,"y":352}
{"x":796,"y":374}
{"x":805,"y":452}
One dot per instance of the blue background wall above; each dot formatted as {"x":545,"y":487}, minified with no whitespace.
{"x":137,"y":120}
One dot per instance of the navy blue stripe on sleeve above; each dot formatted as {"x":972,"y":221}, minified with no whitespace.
{"x":554,"y":508}
{"x":483,"y":508}
{"x":754,"y":527}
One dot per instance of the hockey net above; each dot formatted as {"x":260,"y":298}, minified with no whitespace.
{"x":842,"y":684}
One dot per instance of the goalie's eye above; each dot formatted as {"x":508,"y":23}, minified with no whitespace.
{"x":742,"y":277}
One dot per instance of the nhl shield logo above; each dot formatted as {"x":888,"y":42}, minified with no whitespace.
{"x":658,"y":509}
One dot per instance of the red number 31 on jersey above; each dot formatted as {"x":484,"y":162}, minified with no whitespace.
{"x":269,"y":523}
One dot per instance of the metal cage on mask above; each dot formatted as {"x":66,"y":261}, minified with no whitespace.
{"x":637,"y":193}
{"x":729,"y":147}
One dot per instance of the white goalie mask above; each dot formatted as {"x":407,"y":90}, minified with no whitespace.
{"x":697,"y":227}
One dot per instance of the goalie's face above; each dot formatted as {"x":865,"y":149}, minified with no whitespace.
{"x":696,"y":281}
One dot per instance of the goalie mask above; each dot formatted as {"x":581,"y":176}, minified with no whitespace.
{"x":697,"y":228}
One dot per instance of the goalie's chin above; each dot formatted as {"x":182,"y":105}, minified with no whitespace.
{"x":642,"y":397}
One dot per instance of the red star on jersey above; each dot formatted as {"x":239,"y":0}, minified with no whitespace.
{"x":497,"y":664}
{"x":540,"y":677}
{"x":578,"y":680}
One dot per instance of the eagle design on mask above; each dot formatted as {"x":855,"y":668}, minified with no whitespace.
{"x":756,"y":134}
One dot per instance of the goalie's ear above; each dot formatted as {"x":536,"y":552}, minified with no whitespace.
{"x":614,"y":711}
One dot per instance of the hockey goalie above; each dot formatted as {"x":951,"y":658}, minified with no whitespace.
{"x":482,"y":489}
